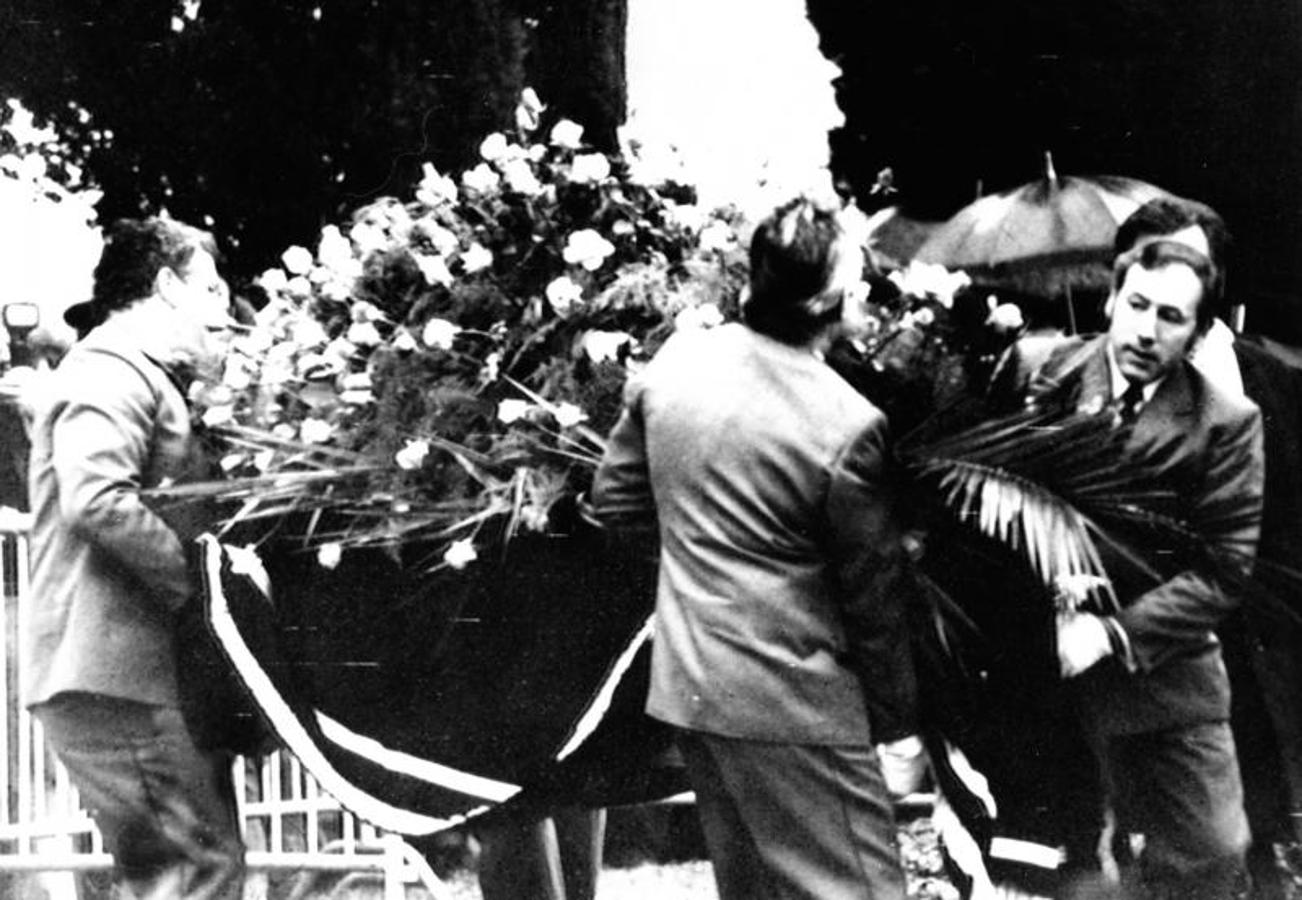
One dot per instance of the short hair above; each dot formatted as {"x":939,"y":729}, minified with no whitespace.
{"x":135,"y":251}
{"x":1167,"y":215}
{"x":1159,"y":254}
{"x":794,"y":257}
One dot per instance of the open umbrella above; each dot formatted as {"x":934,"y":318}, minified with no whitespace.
{"x":1045,"y":238}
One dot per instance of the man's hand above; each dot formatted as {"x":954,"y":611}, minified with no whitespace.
{"x":904,"y":765}
{"x":1082,"y":641}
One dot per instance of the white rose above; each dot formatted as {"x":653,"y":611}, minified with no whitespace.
{"x":273,"y":281}
{"x":568,"y":134}
{"x":590,"y":167}
{"x":297,"y":260}
{"x":334,"y":250}
{"x":364,"y":334}
{"x":493,"y":147}
{"x":509,"y":411}
{"x":476,"y":257}
{"x":434,"y":268}
{"x":299,"y":287}
{"x":481,"y":179}
{"x":439,"y":333}
{"x":435,"y":189}
{"x":568,"y":415}
{"x":563,"y":293}
{"x":521,"y":179}
{"x":315,"y":431}
{"x":404,"y":342}
{"x":328,"y":556}
{"x":460,"y":553}
{"x":587,"y":248}
{"x":412,"y":455}
{"x":604,"y":346}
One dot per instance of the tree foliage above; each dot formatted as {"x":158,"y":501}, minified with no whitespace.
{"x":267,"y":119}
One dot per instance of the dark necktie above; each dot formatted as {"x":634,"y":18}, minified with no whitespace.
{"x":1130,"y":401}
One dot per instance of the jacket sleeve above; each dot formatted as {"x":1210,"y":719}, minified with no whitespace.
{"x":1227,"y":515}
{"x":621,"y":495}
{"x":102,"y":440}
{"x":868,"y":569}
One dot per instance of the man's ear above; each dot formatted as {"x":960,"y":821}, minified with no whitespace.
{"x":1109,"y":305}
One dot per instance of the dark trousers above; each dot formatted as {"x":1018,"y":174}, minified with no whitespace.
{"x":165,"y":808}
{"x":1181,"y":789}
{"x":788,"y":821}
{"x":553,"y":858}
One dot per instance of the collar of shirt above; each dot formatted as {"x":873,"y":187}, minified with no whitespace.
{"x":1120,"y":382}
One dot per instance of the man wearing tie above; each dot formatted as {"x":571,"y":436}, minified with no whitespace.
{"x":1154,"y":696}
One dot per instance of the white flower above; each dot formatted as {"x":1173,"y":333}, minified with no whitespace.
{"x":444,"y":241}
{"x":412,"y":455}
{"x":315,"y":431}
{"x":273,"y":281}
{"x":918,"y":318}
{"x":334,"y":250}
{"x":590,"y":167}
{"x":435,"y":189}
{"x":434,"y":268}
{"x":563,"y":293}
{"x":528,"y":110}
{"x":403,"y":342}
{"x":537,"y":152}
{"x":297,"y":260}
{"x":1004,"y":317}
{"x":364,"y":334}
{"x":604,"y":346}
{"x":510,"y":410}
{"x":328,"y":556}
{"x":357,"y":398}
{"x":568,"y":415}
{"x":308,"y":333}
{"x":521,"y":179}
{"x":218,"y":415}
{"x":707,"y":315}
{"x":930,"y":280}
{"x":717,"y":235}
{"x":492,"y":367}
{"x":476,"y":257}
{"x":460,"y":553}
{"x":481,"y":179}
{"x":587,"y":248}
{"x":568,"y":134}
{"x":439,"y":333}
{"x":299,"y":286}
{"x":236,"y":376}
{"x":493,"y":147}
{"x":368,"y":238}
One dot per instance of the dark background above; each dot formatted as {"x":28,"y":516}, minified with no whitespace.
{"x":269,"y":120}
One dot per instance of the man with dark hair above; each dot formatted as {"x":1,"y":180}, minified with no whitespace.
{"x":110,"y":576}
{"x":779,"y":654}
{"x":1263,"y":640}
{"x":1151,"y":682}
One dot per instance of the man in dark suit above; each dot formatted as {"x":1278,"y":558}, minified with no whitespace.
{"x":1152,"y":686}
{"x":1263,"y":639}
{"x":779,"y":652}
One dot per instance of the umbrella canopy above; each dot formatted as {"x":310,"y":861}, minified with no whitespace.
{"x":1044,"y":238}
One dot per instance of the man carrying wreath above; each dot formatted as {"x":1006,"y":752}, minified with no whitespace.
{"x":779,"y":653}
{"x":1152,"y":686}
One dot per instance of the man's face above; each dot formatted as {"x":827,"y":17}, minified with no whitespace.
{"x":1154,"y":320}
{"x":201,"y":294}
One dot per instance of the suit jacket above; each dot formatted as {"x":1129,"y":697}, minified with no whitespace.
{"x":776,"y":617}
{"x":108,"y":573}
{"x":1202,"y":449}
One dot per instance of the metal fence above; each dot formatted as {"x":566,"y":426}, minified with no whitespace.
{"x":289,"y":823}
